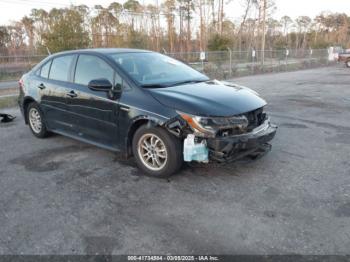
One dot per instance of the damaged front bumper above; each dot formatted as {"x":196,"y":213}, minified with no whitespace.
{"x":231,"y":148}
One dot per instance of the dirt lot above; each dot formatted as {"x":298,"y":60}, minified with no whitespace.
{"x":59,"y":196}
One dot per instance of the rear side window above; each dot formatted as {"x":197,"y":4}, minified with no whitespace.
{"x":90,"y":68}
{"x":60,"y":68}
{"x":45,"y":70}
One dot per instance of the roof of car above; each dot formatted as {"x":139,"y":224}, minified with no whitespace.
{"x":104,"y":50}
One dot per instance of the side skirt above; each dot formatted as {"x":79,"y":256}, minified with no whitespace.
{"x":86,"y":140}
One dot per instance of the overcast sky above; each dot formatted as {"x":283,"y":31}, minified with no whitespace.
{"x":16,"y":9}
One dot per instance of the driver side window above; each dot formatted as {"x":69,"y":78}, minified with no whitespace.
{"x":91,"y":67}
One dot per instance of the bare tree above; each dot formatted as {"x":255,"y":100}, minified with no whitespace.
{"x":264,"y":6}
{"x":247,"y":6}
{"x":169,"y":8}
{"x":286,"y":21}
{"x":303,"y":23}
{"x":28,"y":24}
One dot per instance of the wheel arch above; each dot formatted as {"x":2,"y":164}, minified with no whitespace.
{"x":26,"y":101}
{"x":136,"y":124}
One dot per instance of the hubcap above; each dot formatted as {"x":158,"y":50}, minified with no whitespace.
{"x":35,"y":120}
{"x":152,"y":152}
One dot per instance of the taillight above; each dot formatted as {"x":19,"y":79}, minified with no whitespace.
{"x":21,"y":84}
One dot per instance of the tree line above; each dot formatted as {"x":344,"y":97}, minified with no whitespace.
{"x":173,"y":26}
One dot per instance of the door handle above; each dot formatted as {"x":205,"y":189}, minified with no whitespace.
{"x":41,"y":86}
{"x":125,"y":108}
{"x":72,"y":94}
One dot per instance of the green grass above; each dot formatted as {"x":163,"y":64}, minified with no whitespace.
{"x":8,"y":101}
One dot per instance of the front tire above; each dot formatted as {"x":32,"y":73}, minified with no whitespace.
{"x":157,"y":152}
{"x":36,"y":120}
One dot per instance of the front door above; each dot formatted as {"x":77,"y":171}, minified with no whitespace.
{"x":94,"y":113}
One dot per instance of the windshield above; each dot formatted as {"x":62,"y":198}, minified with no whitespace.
{"x":156,"y":70}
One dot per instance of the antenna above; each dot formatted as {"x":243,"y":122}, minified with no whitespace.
{"x":48,"y":50}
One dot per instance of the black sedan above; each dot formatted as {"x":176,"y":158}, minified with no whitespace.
{"x":145,"y":104}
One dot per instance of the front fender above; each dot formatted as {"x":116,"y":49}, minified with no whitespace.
{"x":135,"y":124}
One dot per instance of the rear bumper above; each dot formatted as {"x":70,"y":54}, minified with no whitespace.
{"x":255,"y":143}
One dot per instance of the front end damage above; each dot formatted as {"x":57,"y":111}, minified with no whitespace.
{"x":224,"y":139}
{"x":253,"y":144}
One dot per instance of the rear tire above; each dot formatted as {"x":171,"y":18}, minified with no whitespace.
{"x":347,"y":63}
{"x":36,"y":121}
{"x":157,"y":152}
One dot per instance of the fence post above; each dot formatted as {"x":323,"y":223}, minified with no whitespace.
{"x":271,"y":60}
{"x":310,"y":63}
{"x":253,"y":58}
{"x":202,"y":56}
{"x":230,"y":52}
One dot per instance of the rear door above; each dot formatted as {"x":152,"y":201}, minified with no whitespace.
{"x":95,"y":113}
{"x":54,"y":89}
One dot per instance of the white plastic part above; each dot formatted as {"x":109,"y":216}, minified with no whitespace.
{"x":195,"y":151}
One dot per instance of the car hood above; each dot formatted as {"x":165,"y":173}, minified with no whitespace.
{"x":212,"y":98}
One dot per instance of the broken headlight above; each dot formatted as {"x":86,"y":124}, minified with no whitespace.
{"x":209,"y":126}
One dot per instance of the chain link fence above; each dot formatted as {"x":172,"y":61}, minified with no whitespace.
{"x":228,"y":64}
{"x":12,"y":67}
{"x":216,"y":64}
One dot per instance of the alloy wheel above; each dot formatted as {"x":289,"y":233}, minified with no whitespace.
{"x":35,"y":120}
{"x":152,"y":152}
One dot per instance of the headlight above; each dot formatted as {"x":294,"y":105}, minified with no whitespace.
{"x":210,"y":125}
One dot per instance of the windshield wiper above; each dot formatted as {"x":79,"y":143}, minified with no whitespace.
{"x":187,"y":82}
{"x":153,"y":85}
{"x":174,"y":84}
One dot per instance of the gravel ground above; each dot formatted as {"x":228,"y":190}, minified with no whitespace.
{"x":59,"y":196}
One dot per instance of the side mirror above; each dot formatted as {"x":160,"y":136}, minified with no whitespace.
{"x":115,"y":92}
{"x":100,"y":85}
{"x":117,"y":88}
